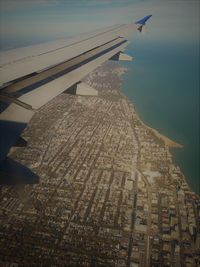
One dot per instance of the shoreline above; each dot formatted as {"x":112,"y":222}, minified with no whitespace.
{"x":168,"y":144}
{"x":167,"y":141}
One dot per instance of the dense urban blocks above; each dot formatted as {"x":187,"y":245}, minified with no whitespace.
{"x":109,"y":192}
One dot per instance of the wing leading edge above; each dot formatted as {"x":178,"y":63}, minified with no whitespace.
{"x":31,"y":79}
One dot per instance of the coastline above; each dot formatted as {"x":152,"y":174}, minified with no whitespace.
{"x":167,"y":141}
{"x":168,"y":144}
{"x":170,"y":92}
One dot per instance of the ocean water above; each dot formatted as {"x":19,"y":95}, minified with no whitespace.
{"x":163,"y":83}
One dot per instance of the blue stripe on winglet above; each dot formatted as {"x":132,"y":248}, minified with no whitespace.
{"x":143,"y":20}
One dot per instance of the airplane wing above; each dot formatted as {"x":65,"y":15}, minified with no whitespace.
{"x":32,"y":76}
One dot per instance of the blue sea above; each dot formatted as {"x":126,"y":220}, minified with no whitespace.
{"x":163,"y":83}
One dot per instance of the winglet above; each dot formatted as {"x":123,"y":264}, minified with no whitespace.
{"x":142,"y":22}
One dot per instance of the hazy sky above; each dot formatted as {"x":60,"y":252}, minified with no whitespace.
{"x":31,"y":21}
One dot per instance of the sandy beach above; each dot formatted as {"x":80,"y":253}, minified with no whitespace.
{"x":167,"y":141}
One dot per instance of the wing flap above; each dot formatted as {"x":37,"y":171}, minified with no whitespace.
{"x":46,"y":92}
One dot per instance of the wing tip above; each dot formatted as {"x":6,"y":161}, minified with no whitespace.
{"x":143,"y":20}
